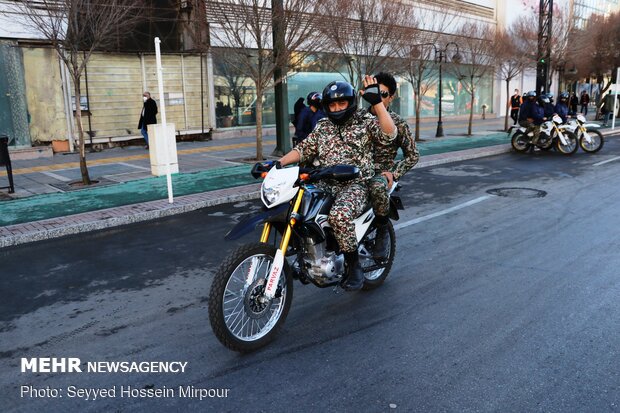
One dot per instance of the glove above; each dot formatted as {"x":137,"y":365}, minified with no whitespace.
{"x":372,"y":94}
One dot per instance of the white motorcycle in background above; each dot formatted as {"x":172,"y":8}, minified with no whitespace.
{"x":590,"y":139}
{"x":252,"y":289}
{"x":551,"y":135}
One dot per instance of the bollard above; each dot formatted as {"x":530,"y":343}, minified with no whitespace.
{"x":5,"y":160}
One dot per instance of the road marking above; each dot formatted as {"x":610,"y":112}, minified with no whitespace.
{"x":442,"y":212}
{"x":70,"y":165}
{"x":133,"y":166}
{"x":56,"y":176}
{"x":608,"y":160}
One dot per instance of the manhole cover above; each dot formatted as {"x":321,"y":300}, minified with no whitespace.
{"x":517,"y":192}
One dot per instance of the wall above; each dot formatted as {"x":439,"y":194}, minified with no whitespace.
{"x":44,"y":94}
{"x":115,"y":86}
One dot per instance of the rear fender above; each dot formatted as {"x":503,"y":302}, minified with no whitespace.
{"x":395,"y":204}
{"x":248,"y":224}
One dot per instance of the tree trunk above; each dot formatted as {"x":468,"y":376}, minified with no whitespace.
{"x":471,"y":111}
{"x":80,"y":127}
{"x":417,"y":111}
{"x":508,"y":105}
{"x":259,"y":124}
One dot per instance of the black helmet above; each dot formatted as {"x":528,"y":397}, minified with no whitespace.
{"x":531,"y":93}
{"x":564,"y":95}
{"x":339,"y":91}
{"x":314,"y":99}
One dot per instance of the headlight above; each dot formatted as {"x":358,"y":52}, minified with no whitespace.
{"x":271,"y":194}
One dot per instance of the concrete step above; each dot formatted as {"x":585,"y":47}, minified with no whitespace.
{"x":22,"y":154}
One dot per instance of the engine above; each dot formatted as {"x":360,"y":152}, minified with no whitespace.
{"x":324,"y":267}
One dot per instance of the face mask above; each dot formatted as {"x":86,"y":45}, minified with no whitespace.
{"x":144,"y":98}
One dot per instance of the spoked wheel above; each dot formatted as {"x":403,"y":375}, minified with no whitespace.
{"x":520,"y":142}
{"x":241,"y":317}
{"x":571,"y":144}
{"x":375,"y":272}
{"x":596,"y":141}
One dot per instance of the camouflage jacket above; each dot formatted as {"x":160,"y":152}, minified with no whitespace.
{"x":349,"y":144}
{"x":385,"y":154}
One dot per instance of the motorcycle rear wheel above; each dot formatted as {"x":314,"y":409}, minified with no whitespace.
{"x":374,"y":278}
{"x":239,"y":318}
{"x":595,"y":145}
{"x":571,"y":146}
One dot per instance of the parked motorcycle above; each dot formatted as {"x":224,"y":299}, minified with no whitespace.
{"x":551,"y":135}
{"x":253,"y":288}
{"x":590,"y":139}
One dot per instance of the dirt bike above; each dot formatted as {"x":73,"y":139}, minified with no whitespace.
{"x":590,"y":139}
{"x":550,"y":136}
{"x":252,"y":289}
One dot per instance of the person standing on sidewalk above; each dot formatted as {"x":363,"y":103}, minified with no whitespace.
{"x":584,"y":101}
{"x":515,"y":104}
{"x":573,"y":102}
{"x":386,"y":170}
{"x":148,"y":116}
{"x":346,"y":137}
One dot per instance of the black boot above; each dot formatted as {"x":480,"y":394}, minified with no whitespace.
{"x":382,"y":238}
{"x":355,"y":274}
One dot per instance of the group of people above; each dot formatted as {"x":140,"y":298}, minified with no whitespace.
{"x":537,"y":109}
{"x":368,"y":139}
{"x":571,"y":102}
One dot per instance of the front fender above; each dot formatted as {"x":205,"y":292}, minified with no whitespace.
{"x":249,"y":223}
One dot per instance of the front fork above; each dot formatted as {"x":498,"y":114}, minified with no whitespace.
{"x":278,"y":261}
{"x":585,"y":134}
{"x":560,"y":135}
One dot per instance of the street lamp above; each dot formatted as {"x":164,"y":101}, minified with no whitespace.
{"x":441,"y":56}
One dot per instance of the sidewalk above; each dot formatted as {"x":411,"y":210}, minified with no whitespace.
{"x":211,"y":173}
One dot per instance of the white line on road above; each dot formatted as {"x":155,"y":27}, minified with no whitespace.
{"x":56,"y":176}
{"x":134,"y":166}
{"x":440,"y":213}
{"x":608,"y":160}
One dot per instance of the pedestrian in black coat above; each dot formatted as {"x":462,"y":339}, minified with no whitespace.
{"x":148,"y":116}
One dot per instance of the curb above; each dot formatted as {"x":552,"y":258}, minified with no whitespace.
{"x":107,"y":218}
{"x":18,"y":234}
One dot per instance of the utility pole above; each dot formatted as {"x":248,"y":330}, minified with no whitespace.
{"x":283,"y":144}
{"x":545,"y":18}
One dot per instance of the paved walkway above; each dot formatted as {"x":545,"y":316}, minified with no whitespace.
{"x":210,"y":173}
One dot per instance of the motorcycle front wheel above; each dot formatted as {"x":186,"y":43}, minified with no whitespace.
{"x":520,"y":142}
{"x":376,"y":272}
{"x":571,"y":144}
{"x":596,"y":141}
{"x":241,"y":317}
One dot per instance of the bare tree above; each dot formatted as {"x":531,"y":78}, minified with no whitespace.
{"x":524,"y":32}
{"x":510,"y":61}
{"x":366,"y":33}
{"x":419,"y":53}
{"x":246,"y":29}
{"x":476,"y":46}
{"x":600,"y":42}
{"x":76,"y":28}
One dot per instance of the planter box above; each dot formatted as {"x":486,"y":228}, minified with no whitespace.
{"x":60,"y":146}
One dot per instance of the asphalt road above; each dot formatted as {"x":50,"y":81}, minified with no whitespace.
{"x":494,"y":303}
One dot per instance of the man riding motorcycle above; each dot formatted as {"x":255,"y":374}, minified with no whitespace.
{"x":531,"y":115}
{"x":347,"y":136}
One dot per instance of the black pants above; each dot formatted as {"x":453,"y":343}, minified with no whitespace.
{"x":514,"y":114}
